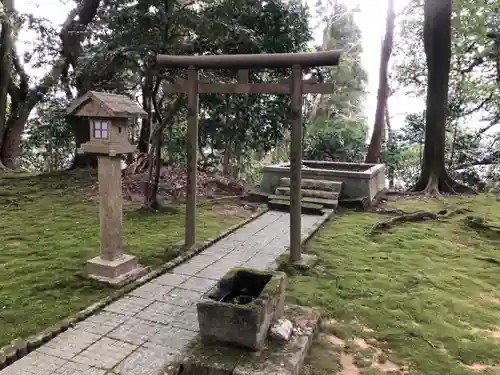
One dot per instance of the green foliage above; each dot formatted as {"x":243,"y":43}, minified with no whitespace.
{"x":127,"y":34}
{"x":47,"y":145}
{"x":336,"y":130}
{"x":341,"y":32}
{"x":336,"y":140}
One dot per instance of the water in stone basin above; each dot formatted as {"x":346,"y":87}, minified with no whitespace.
{"x":241,"y":289}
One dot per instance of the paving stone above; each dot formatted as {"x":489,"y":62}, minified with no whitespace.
{"x":72,"y":368}
{"x":244,"y":234}
{"x":105,"y":354}
{"x":171,"y":279}
{"x":34,"y":363}
{"x":128,"y":306}
{"x":198,"y":284}
{"x":222,"y":247}
{"x":194,"y":265}
{"x":261,"y":261}
{"x":273,"y":249}
{"x":149,"y":359}
{"x":258,"y":242}
{"x":173,"y":338}
{"x":160,"y":312}
{"x":153,"y":291}
{"x":101,"y":323}
{"x":216,"y":271}
{"x":69,"y":343}
{"x":135,"y":331}
{"x":245,"y":250}
{"x":237,"y":257}
{"x":181,"y":297}
{"x":188,"y":319}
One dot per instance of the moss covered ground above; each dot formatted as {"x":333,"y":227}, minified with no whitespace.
{"x":49,"y":228}
{"x":420,"y":298}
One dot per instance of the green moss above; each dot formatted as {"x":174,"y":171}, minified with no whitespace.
{"x":49,"y":229}
{"x":210,"y":354}
{"x":273,"y":286}
{"x":423,"y":288}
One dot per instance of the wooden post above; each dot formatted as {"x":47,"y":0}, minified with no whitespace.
{"x":244,"y":62}
{"x":192,"y":157}
{"x":296,"y":164}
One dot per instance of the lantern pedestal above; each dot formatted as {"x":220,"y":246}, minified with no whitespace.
{"x":112,"y":265}
{"x":108,"y":116}
{"x":116,"y":272}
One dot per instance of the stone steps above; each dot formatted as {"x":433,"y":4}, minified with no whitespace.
{"x":318,"y":193}
{"x":328,"y":203}
{"x":305,"y":208}
{"x":326,"y":185}
{"x":323,"y":194}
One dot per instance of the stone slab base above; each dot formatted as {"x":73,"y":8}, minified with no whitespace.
{"x":117,"y":272}
{"x":306,"y":261}
{"x":276,"y":358}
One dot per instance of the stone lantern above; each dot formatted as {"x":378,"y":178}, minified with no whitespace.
{"x":108,"y":116}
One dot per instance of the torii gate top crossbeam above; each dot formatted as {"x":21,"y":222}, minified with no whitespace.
{"x":251,"y":61}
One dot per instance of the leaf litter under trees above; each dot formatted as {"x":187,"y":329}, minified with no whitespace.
{"x":211,"y":186}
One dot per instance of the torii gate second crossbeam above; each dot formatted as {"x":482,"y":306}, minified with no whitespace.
{"x":296,"y":87}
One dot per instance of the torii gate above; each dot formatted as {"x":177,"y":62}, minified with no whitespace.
{"x":296,"y":87}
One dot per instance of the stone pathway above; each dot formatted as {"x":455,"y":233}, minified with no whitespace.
{"x":141,"y":333}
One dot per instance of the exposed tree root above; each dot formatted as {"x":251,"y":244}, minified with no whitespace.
{"x":479,"y":224}
{"x":382,"y":211}
{"x":422,"y":337}
{"x":434,"y":186}
{"x":14,"y":200}
{"x":489,"y":260}
{"x":414,"y":217}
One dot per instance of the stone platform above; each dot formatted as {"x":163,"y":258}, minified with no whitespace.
{"x":141,"y":333}
{"x":276,"y":358}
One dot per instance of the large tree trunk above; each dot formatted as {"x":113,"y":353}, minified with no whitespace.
{"x":23,"y":100}
{"x":22,"y":103}
{"x":373,"y":154}
{"x":5,"y":66}
{"x":390,"y":169}
{"x":11,"y":145}
{"x":145,"y":133}
{"x":72,"y":37}
{"x":437,"y":45}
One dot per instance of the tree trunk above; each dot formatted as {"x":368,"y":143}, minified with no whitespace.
{"x":373,"y":154}
{"x":11,"y":145}
{"x":145,"y":133}
{"x":390,"y":169}
{"x":80,"y":129}
{"x":23,"y":100}
{"x":6,"y":43}
{"x":143,"y":144}
{"x":72,"y":37}
{"x":155,"y":163}
{"x":226,"y":160}
{"x":437,"y":44}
